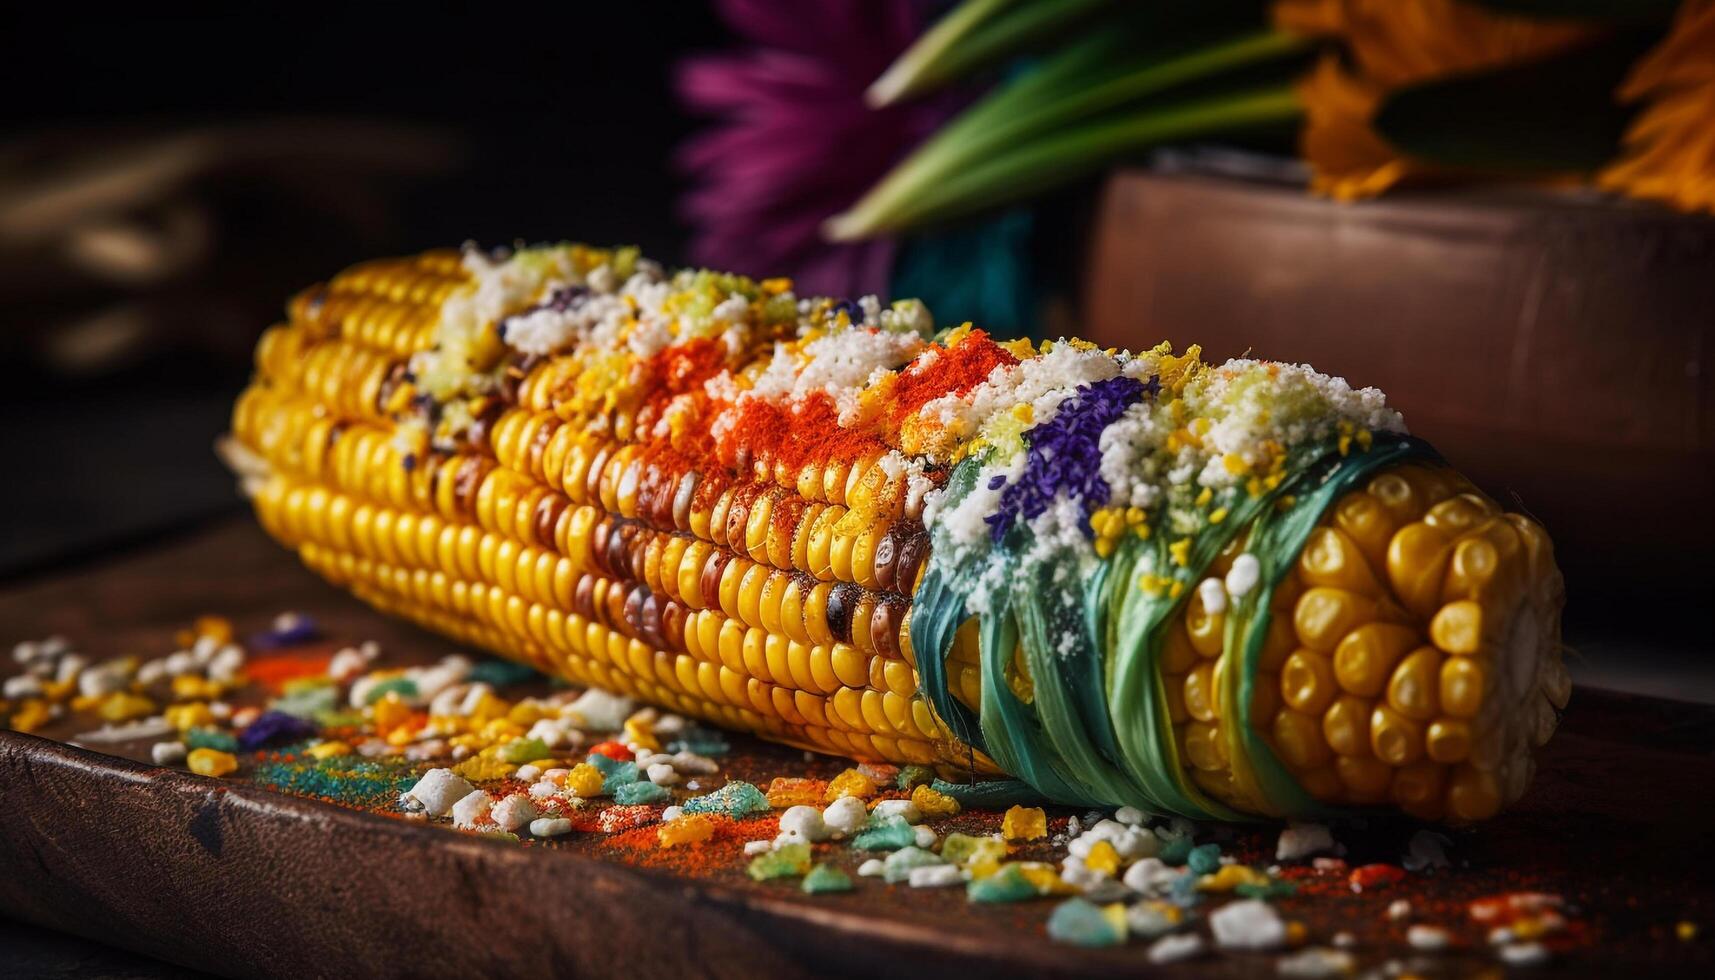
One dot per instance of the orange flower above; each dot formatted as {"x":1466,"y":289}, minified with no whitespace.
{"x":1391,"y":44}
{"x":1670,"y":148}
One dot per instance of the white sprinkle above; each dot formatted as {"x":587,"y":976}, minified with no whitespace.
{"x":845,"y":816}
{"x":1345,"y":940}
{"x":155,"y":727}
{"x":1249,"y":924}
{"x":872,"y":868}
{"x":1151,"y":876}
{"x":926,"y":838}
{"x":1213,"y":594}
{"x":805,"y":822}
{"x":672,"y":813}
{"x":1399,"y":910}
{"x":527,"y":773}
{"x":167,"y":753}
{"x":1301,"y":840}
{"x":904,"y":809}
{"x":438,"y":790}
{"x":471,"y":809}
{"x":1315,"y":963}
{"x":692,"y":762}
{"x":1427,"y":938}
{"x":1173,"y":949}
{"x":1131,"y":816}
{"x":514,"y":812}
{"x":936,"y":876}
{"x":662,"y":774}
{"x":1524,"y":954}
{"x":22,"y":686}
{"x":755,"y":847}
{"x":1244,"y":575}
{"x":550,"y":827}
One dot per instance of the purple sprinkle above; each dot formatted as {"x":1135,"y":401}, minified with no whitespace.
{"x":274,"y":727}
{"x":1065,"y":453}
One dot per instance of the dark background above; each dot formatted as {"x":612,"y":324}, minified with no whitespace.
{"x":496,"y":123}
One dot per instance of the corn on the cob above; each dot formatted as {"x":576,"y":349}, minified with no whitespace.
{"x":1220,"y":591}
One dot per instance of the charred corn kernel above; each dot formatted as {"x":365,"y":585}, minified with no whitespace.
{"x":211,"y":762}
{"x":933,"y":804}
{"x":1024,"y":823}
{"x":850,"y":783}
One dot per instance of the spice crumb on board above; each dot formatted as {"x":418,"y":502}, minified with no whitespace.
{"x":485,"y":748}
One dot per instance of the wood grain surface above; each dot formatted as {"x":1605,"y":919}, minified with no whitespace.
{"x":238,"y":879}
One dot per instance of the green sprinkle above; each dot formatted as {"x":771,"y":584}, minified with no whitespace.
{"x":639,"y":792}
{"x":911,"y":777}
{"x":825,"y":878}
{"x":405,"y":687}
{"x":211,"y":738}
{"x":964,"y":849}
{"x":1204,"y":860}
{"x":1176,"y":851}
{"x":898,"y":865}
{"x":1080,"y":923}
{"x":885,"y":835}
{"x":786,"y":861}
{"x":1006,"y":885}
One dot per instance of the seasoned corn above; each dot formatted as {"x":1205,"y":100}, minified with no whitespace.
{"x":619,"y":507}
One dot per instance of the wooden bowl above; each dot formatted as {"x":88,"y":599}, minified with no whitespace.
{"x":1558,"y":348}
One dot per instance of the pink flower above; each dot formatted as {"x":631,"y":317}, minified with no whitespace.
{"x":795,"y":142}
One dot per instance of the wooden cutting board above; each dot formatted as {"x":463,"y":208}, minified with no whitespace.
{"x":236,"y":878}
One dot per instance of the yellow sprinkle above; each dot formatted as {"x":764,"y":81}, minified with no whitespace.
{"x":1231,"y":876}
{"x":1686,"y":931}
{"x":850,"y":783}
{"x":692,"y":828}
{"x":188,"y":687}
{"x":1103,"y":858}
{"x":1024,"y":823}
{"x":31,"y":714}
{"x":327,"y":750}
{"x":1296,"y":933}
{"x":211,"y":762}
{"x":1177,"y":589}
{"x":1235,"y":464}
{"x":1218,"y":515}
{"x":1135,"y":515}
{"x":185,"y":717}
{"x":933,"y":804}
{"x":1181,"y":552}
{"x":1204,"y":497}
{"x":1024,"y":412}
{"x":1142,"y":531}
{"x":641,"y":733}
{"x":584,"y":780}
{"x":484,"y":768}
{"x":124,"y":706}
{"x":1104,"y":547}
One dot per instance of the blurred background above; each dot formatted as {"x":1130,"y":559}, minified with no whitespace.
{"x":168,"y":180}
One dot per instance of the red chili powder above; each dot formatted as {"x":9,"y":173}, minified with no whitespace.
{"x":960,"y":368}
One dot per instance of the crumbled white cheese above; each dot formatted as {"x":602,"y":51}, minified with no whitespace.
{"x":845,"y":816}
{"x":804,"y":821}
{"x":1302,"y":840}
{"x":438,"y":790}
{"x":472,"y":809}
{"x":513,"y":812}
{"x":1248,"y":924}
{"x":1176,"y":948}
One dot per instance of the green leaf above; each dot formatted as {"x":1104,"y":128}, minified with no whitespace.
{"x":973,"y":36}
{"x":1556,"y":115}
{"x":1615,"y":11}
{"x":1069,"y":155}
{"x":1083,"y":82}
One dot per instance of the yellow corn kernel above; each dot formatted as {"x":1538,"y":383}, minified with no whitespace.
{"x":1448,"y":740}
{"x":1411,"y":690}
{"x":1324,"y":616}
{"x":1346,"y":726}
{"x":1201,"y":695}
{"x":1464,"y":681}
{"x":1205,"y":629}
{"x":1331,"y":558}
{"x":1365,"y":658}
{"x":1298,"y":739}
{"x":1395,"y":739}
{"x":211,"y":762}
{"x":1472,"y":794}
{"x":1418,"y":789}
{"x":1458,"y":627}
{"x":1307,"y":682}
{"x":1365,"y":778}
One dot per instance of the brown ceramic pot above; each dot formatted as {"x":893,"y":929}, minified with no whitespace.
{"x":1558,"y":348}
